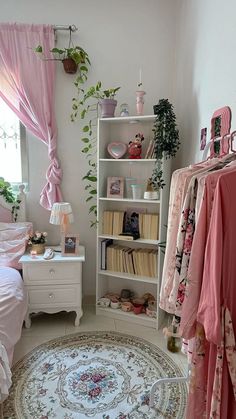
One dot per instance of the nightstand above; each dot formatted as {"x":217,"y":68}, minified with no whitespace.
{"x":53,"y":285}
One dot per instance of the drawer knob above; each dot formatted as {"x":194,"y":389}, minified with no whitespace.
{"x":52,"y":271}
{"x":51,"y":295}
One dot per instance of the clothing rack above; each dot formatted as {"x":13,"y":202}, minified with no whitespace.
{"x":164,"y":381}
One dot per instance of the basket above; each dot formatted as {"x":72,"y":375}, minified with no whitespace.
{"x":38,"y":247}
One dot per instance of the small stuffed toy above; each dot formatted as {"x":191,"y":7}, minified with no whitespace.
{"x":135,"y":147}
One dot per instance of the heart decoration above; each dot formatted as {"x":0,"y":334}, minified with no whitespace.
{"x":117,"y":150}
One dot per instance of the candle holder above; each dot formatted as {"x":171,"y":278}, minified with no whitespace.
{"x":140,"y":101}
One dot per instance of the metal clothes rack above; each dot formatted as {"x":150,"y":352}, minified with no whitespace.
{"x":167,"y":380}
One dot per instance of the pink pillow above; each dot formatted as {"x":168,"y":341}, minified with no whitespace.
{"x":13,"y":241}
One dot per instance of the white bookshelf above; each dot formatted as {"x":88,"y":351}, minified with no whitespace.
{"x":124,"y":129}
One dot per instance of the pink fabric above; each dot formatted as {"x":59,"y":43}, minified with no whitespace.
{"x":219,"y":285}
{"x":30,"y":82}
{"x":13,"y":306}
{"x":13,"y":241}
{"x":179,"y":184}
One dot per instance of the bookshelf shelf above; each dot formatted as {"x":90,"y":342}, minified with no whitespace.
{"x":141,"y":319}
{"x":113,"y":252}
{"x":140,"y":201}
{"x":138,"y":161}
{"x":147,"y":279}
{"x":141,"y":241}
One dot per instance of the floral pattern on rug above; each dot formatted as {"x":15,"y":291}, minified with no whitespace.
{"x":100,"y":375}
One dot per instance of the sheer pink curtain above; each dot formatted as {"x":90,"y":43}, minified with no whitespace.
{"x":30,"y":82}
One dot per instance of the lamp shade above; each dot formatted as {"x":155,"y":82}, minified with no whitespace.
{"x":61,"y":214}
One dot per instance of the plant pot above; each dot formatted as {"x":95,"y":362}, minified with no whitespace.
{"x":107,"y":107}
{"x":70,"y":65}
{"x":38,"y":247}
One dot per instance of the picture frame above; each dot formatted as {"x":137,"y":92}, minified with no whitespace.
{"x":70,"y":244}
{"x":115,"y":187}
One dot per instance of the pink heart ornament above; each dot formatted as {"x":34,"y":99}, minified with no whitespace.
{"x":116,"y":149}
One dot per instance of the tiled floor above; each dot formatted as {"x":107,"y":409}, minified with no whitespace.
{"x":48,"y":326}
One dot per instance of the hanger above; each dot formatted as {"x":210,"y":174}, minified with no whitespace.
{"x":231,"y":141}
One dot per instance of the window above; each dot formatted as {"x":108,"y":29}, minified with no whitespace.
{"x":13,"y":155}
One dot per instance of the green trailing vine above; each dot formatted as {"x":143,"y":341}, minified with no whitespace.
{"x":9,"y":197}
{"x":166,"y":138}
{"x":85,"y":106}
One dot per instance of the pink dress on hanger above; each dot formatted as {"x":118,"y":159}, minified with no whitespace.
{"x":218,"y":294}
{"x":210,"y":370}
{"x":179,"y":183}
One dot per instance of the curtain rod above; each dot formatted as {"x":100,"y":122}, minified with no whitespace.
{"x":73,"y":28}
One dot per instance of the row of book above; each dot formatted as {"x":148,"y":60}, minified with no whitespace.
{"x":117,"y":258}
{"x":146,"y":226}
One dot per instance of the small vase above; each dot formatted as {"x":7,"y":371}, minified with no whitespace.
{"x":140,"y":101}
{"x":38,"y":247}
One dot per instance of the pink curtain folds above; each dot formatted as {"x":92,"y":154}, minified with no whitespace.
{"x":28,"y":81}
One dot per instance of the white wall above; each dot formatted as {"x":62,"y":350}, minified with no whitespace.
{"x":120,"y":37}
{"x":205,"y":76}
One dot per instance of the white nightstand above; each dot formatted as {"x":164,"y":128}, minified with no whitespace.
{"x":53,"y":285}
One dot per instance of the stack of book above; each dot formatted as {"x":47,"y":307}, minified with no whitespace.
{"x":117,"y":258}
{"x":113,"y":222}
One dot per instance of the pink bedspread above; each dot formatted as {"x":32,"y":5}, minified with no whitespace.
{"x":13,"y":306}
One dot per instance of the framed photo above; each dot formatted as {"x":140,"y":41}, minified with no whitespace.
{"x":70,"y":244}
{"x":115,"y":187}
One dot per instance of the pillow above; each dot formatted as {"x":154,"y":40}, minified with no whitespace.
{"x":13,"y":242}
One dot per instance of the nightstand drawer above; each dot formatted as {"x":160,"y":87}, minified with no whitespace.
{"x":63,"y":296}
{"x":50,"y":272}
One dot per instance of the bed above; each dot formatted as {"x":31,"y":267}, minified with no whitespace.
{"x":13,"y":300}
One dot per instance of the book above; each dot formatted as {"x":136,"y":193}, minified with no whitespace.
{"x":104,"y":244}
{"x":129,"y":236}
{"x":108,"y":222}
{"x":118,"y":219}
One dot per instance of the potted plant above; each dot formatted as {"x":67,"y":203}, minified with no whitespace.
{"x":86,"y":107}
{"x":10,"y":198}
{"x":166,"y":138}
{"x":71,"y":57}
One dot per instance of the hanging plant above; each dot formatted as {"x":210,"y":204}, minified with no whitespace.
{"x":85,"y":106}
{"x":10,"y":198}
{"x":166,"y":138}
{"x":72,"y":57}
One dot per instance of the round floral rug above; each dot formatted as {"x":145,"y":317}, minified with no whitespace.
{"x":105,"y":375}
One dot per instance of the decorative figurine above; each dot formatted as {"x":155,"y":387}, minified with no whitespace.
{"x":135,"y":147}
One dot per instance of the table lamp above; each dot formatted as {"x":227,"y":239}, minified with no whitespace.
{"x":61,"y":214}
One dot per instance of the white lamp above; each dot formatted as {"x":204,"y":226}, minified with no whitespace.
{"x":61,"y":214}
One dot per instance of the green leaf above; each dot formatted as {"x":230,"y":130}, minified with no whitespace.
{"x":86,"y":128}
{"x":83,"y":68}
{"x":85,"y":140}
{"x":93,"y":192}
{"x":83,"y":113}
{"x":39,"y":48}
{"x":92,"y":208}
{"x":85,"y":150}
{"x":92,"y":178}
{"x":89,"y":198}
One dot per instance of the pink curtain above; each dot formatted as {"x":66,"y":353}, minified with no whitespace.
{"x":27,"y":85}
